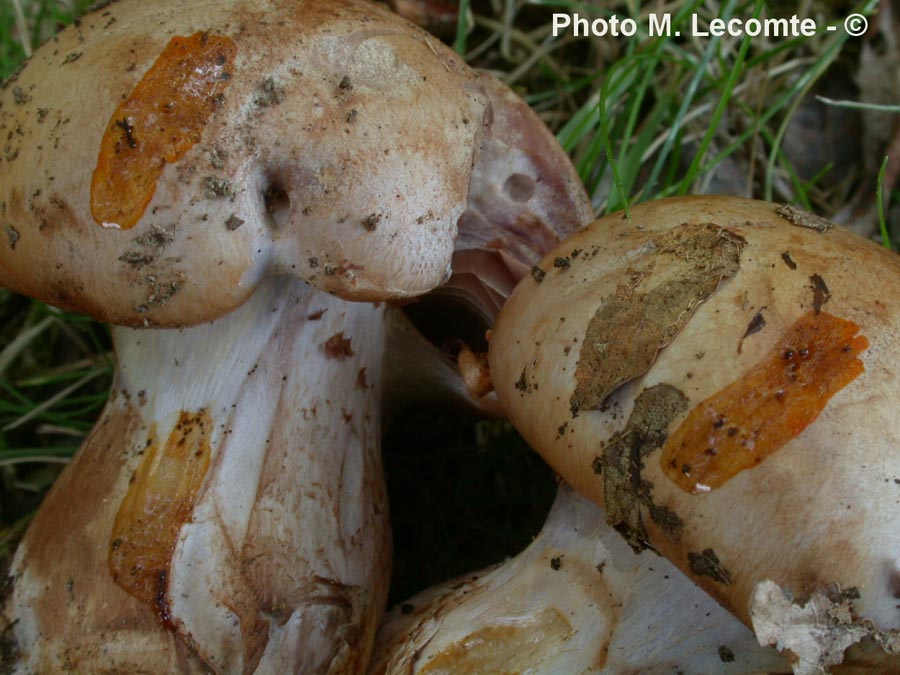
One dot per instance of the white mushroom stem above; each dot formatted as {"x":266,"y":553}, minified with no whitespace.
{"x":227,"y":514}
{"x":577,"y":600}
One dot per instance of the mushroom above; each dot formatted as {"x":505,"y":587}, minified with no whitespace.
{"x":719,"y":375}
{"x":253,"y":171}
{"x":575,"y":601}
{"x":302,"y":140}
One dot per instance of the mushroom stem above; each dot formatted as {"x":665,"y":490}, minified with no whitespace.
{"x":576,"y":600}
{"x":228,"y":512}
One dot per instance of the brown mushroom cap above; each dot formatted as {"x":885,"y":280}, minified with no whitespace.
{"x":721,"y":375}
{"x":230,"y":141}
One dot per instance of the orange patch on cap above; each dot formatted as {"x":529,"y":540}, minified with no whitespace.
{"x":160,"y":121}
{"x":161,"y":495}
{"x":738,"y":427}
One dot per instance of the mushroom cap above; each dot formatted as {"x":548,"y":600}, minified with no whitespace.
{"x":721,"y":375}
{"x":224,"y":141}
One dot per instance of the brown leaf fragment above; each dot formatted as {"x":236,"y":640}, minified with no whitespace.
{"x":620,"y":466}
{"x":821,"y":294}
{"x":802,"y":218}
{"x":707,"y":564}
{"x":338,"y":347}
{"x":233,"y":223}
{"x":788,"y":260}
{"x":674,"y":273}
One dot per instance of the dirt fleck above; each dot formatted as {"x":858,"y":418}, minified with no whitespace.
{"x":556,"y":563}
{"x":370,"y":222}
{"x":138,"y":259}
{"x":676,"y":272}
{"x":338,"y":347}
{"x":757,"y":323}
{"x":561,"y":263}
{"x":788,"y":260}
{"x":622,"y":461}
{"x":159,"y":292}
{"x":802,"y":218}
{"x":345,"y":84}
{"x":667,"y":520}
{"x":361,"y":380}
{"x":20,"y":96}
{"x":428,"y":216}
{"x":725,"y":654}
{"x":233,"y":222}
{"x":821,"y":294}
{"x":217,"y":158}
{"x":707,"y":564}
{"x":523,"y":385}
{"x":538,"y":274}
{"x":70,"y":57}
{"x":157,"y":237}
{"x":12,"y":234}
{"x":220,"y":187}
{"x":270,"y":93}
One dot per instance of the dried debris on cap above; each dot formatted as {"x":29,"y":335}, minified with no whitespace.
{"x":676,"y":272}
{"x":802,"y":218}
{"x":624,"y":490}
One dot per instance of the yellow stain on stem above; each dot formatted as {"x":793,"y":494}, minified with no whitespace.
{"x":505,"y":649}
{"x":160,"y":121}
{"x":160,"y":498}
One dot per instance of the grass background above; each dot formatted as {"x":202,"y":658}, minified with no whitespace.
{"x":641,"y":118}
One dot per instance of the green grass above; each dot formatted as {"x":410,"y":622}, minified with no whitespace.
{"x":662,"y":96}
{"x":641,"y":119}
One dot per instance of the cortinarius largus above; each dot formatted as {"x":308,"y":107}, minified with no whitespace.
{"x":720,"y":374}
{"x":242,"y":163}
